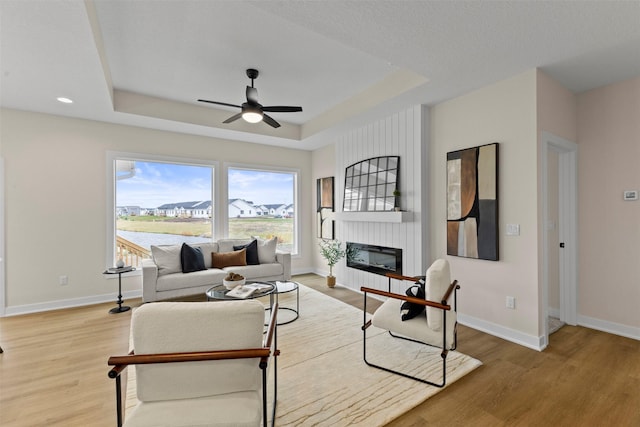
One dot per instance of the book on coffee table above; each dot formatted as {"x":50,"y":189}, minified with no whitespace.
{"x":243,"y":291}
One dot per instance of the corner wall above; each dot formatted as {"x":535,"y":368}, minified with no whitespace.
{"x":608,"y":226}
{"x":504,"y":112}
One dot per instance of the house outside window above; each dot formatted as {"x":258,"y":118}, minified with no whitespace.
{"x":262,"y":202}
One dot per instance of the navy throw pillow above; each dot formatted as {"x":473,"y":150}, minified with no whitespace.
{"x":191,"y":259}
{"x":252,"y":252}
{"x":409,"y":310}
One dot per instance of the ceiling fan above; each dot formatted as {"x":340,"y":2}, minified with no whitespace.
{"x":252,"y":110}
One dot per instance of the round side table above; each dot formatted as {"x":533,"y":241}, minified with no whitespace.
{"x":119,"y":271}
{"x":286,"y":287}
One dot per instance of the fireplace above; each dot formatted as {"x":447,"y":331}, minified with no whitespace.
{"x":374,"y":259}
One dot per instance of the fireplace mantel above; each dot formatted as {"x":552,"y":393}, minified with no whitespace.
{"x":391,"y":216}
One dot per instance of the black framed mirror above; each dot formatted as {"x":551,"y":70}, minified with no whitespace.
{"x":369,"y":185}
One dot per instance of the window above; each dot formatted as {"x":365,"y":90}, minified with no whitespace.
{"x":157,"y":201}
{"x":263,"y":203}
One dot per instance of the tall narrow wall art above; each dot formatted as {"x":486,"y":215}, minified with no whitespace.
{"x":472,"y":202}
{"x":325,"y":206}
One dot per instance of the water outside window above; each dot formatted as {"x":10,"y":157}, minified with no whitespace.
{"x":161,"y":204}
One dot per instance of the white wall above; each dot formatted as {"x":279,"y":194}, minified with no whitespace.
{"x":608,"y":227}
{"x":504,"y":112}
{"x":55,"y":201}
{"x":323,"y":161}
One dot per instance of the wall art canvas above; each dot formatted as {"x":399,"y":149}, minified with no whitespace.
{"x":472,"y":202}
{"x":325,"y":206}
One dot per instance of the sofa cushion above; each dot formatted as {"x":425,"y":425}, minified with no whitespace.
{"x":226,"y":245}
{"x":261,"y":271}
{"x":267,"y":250}
{"x":437,"y":282}
{"x":167,"y":258}
{"x":170,"y":282}
{"x":191,"y":259}
{"x":252,"y":252}
{"x":207,"y":249}
{"x":225,"y":259}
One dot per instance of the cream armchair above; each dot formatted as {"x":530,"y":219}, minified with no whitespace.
{"x":199,"y":364}
{"x":435,"y":326}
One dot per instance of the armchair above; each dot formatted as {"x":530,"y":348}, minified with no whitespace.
{"x":438,"y":328}
{"x":199,"y":364}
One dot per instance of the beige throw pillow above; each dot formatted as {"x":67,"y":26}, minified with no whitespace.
{"x":266,"y":250}
{"x":167,"y":258}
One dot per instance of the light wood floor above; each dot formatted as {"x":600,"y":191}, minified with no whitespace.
{"x":53,"y":373}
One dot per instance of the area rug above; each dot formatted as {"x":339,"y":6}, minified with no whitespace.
{"x":323,"y":380}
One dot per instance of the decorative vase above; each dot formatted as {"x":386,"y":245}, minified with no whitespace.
{"x":331,"y":281}
{"x":120,"y":263}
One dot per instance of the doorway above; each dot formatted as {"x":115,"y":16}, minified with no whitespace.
{"x":560,"y":207}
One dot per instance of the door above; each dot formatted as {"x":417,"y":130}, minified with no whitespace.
{"x":560,"y":205}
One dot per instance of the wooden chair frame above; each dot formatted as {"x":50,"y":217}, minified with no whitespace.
{"x":443,"y":305}
{"x":269,"y":348}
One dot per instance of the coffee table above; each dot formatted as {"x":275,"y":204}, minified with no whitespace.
{"x":219,"y":293}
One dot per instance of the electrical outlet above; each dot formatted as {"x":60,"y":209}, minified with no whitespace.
{"x":511,"y":303}
{"x":64,"y":280}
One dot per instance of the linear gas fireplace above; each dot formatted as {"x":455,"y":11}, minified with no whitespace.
{"x":374,"y":259}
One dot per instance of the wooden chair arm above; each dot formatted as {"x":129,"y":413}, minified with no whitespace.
{"x":196,"y":356}
{"x":271,"y":327}
{"x":453,"y":286}
{"x":401,"y":277}
{"x":414,"y":300}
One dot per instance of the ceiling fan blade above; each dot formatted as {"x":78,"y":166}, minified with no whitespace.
{"x":219,"y":103}
{"x":269,"y":120}
{"x":252,"y":94}
{"x":281,"y":109}
{"x":233,"y":118}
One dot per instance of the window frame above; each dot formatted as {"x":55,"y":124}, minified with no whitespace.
{"x":224,"y":195}
{"x":112,"y":156}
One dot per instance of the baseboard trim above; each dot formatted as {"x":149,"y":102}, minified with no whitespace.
{"x":517,"y":337}
{"x":68,"y":303}
{"x":609,"y":327}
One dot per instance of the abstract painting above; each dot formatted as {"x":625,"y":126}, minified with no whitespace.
{"x":325,"y":208}
{"x":472,"y":202}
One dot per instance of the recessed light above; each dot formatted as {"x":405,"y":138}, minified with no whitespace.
{"x":65,"y":100}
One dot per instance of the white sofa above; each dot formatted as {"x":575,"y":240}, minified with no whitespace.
{"x":162,"y":276}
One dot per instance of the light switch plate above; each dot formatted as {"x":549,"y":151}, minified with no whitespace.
{"x":630,"y":195}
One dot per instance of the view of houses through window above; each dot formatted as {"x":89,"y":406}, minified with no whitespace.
{"x":161,"y":203}
{"x":262,"y":203}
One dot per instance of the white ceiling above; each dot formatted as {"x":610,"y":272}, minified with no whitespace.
{"x":145,"y":63}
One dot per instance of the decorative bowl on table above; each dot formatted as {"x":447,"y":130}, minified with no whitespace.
{"x":233,"y":280}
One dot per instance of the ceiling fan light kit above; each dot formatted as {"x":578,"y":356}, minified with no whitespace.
{"x":252,"y":111}
{"x":251,"y":114}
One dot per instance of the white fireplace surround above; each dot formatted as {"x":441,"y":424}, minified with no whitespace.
{"x":403,"y":134}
